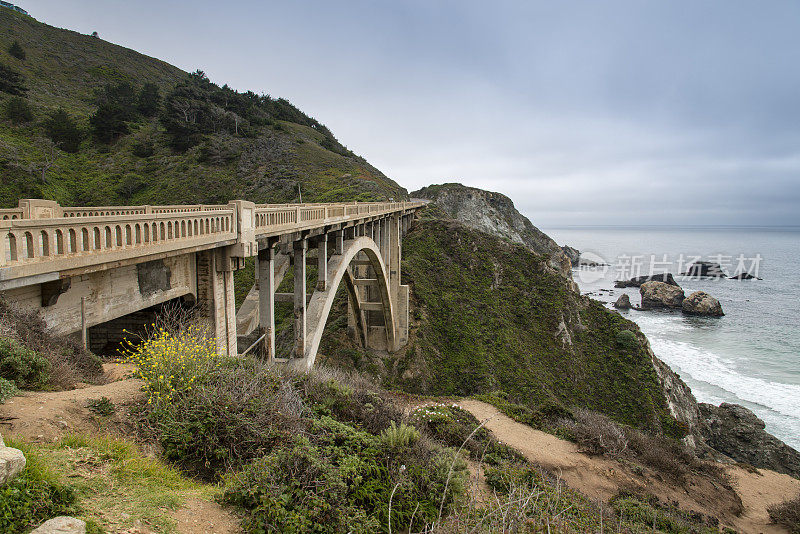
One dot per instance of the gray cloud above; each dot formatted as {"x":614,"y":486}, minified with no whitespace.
{"x":584,"y":112}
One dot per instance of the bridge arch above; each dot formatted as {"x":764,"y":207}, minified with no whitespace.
{"x":321,"y":301}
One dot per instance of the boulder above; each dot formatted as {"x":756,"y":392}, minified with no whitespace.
{"x":62,"y":525}
{"x":12,"y":462}
{"x":637,"y":281}
{"x":738,"y":433}
{"x":705,"y":269}
{"x":623,"y":302}
{"x":573,"y":254}
{"x":701,"y":303}
{"x":660,"y":295}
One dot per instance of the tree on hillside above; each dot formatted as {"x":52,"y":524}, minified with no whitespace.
{"x":116,"y":105}
{"x":63,"y":131}
{"x":17,"y":110}
{"x":149,"y":100}
{"x":11,"y":81}
{"x":17,"y":51}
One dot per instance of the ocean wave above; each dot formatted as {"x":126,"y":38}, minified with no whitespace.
{"x":705,"y":366}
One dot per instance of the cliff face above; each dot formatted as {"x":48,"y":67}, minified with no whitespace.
{"x":494,"y":214}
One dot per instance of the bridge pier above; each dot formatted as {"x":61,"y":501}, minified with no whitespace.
{"x":266,"y":299}
{"x":300,"y":248}
{"x":216,"y":298}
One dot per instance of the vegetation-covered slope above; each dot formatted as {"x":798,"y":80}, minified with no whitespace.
{"x":200,"y":143}
{"x":491,"y":318}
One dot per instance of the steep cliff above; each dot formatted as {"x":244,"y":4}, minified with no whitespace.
{"x":494,"y":214}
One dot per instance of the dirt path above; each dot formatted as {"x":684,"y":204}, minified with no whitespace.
{"x":47,"y":416}
{"x":601,"y":478}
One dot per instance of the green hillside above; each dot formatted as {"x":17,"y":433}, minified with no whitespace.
{"x":233,"y":145}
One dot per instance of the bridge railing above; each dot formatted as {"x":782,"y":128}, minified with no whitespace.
{"x":9,"y":214}
{"x":78,"y":240}
{"x":271,"y":218}
{"x":41,"y":236}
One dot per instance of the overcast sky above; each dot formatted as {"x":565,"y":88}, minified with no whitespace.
{"x":593,"y":112}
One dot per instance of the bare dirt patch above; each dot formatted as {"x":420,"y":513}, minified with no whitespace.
{"x":49,"y":415}
{"x":199,"y":516}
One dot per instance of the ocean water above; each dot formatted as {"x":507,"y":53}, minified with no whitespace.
{"x":751,"y":356}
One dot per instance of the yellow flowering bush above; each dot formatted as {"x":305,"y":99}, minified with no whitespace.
{"x":171,"y":362}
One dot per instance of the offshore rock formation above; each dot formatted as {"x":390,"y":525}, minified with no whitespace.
{"x":660,"y":295}
{"x":495,"y":214}
{"x":738,"y":433}
{"x":637,"y":281}
{"x":705,"y":269}
{"x":623,"y":302}
{"x":701,"y":303}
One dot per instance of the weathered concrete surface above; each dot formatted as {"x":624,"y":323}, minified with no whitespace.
{"x":111,"y":293}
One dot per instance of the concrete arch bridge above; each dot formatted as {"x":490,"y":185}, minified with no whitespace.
{"x":94,"y":270}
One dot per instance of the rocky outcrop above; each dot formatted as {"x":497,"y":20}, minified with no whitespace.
{"x":660,"y":295}
{"x":62,"y":525}
{"x":701,"y":303}
{"x":637,"y":281}
{"x":744,"y":276}
{"x":705,"y":269}
{"x":573,"y":254}
{"x":623,"y":302}
{"x":680,"y":399}
{"x":12,"y":462}
{"x":738,"y":433}
{"x":495,"y":214}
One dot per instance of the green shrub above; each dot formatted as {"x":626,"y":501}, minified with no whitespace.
{"x":102,"y":406}
{"x":7,"y":389}
{"x":397,"y":436}
{"x":11,"y":81}
{"x":17,"y":51}
{"x":339,"y":480}
{"x":33,"y":497}
{"x":63,"y":131}
{"x":26,"y":368}
{"x":452,"y":426}
{"x":17,"y":110}
{"x":626,"y":339}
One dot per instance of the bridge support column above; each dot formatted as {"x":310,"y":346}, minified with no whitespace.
{"x":216,"y":298}
{"x":266,"y":299}
{"x":338,"y":244}
{"x":322,"y":262}
{"x":300,"y":249}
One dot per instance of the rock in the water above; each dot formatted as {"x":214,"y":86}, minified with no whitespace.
{"x":705,"y":269}
{"x":744,"y":276}
{"x":701,"y":303}
{"x":737,"y":432}
{"x":12,"y":462}
{"x":660,"y":295}
{"x":62,"y":525}
{"x":623,"y":302}
{"x":573,"y":254}
{"x":637,"y":281}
